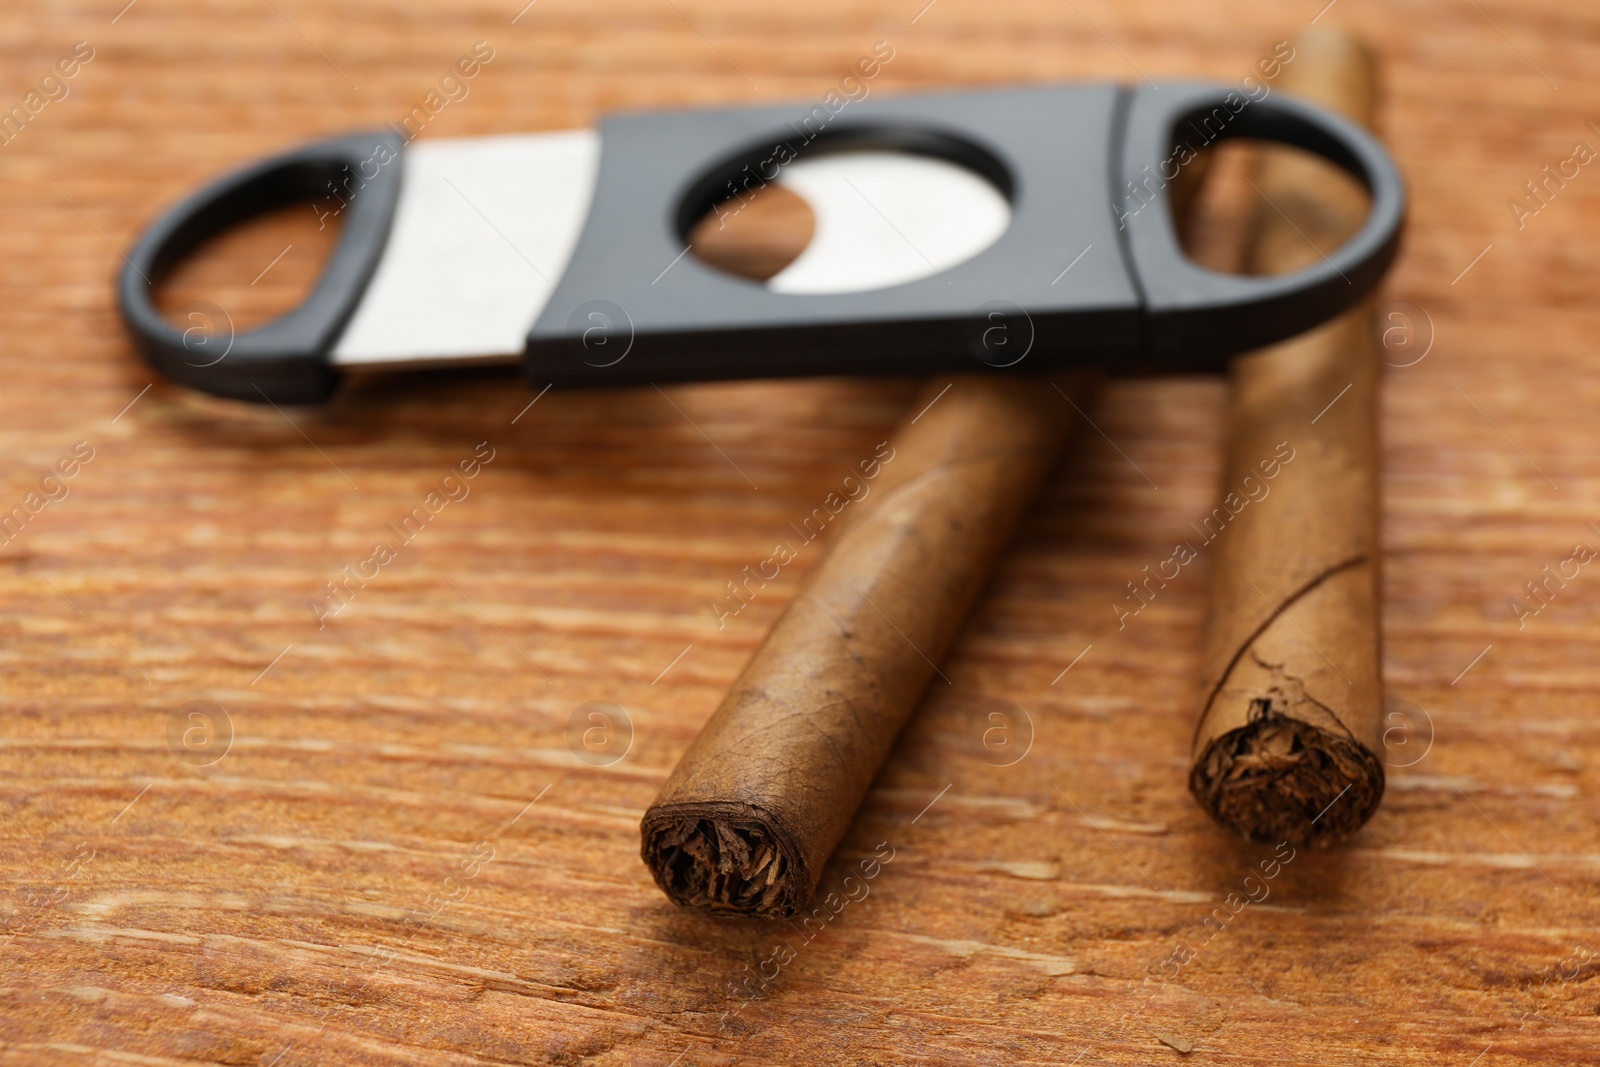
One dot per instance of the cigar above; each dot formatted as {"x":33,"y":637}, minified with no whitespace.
{"x":750,"y":815}
{"x":1290,"y":735}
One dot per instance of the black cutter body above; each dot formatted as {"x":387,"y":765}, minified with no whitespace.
{"x":1088,"y":273}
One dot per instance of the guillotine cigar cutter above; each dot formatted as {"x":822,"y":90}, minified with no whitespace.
{"x":1021,"y":228}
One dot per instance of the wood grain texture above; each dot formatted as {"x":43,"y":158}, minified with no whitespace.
{"x":289,"y":903}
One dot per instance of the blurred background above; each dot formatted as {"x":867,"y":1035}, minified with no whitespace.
{"x":238,"y":830}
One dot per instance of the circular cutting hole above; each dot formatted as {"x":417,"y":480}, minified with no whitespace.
{"x":756,"y":236}
{"x":872,"y":218}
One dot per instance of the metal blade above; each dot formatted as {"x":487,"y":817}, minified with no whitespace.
{"x":485,"y":226}
{"x":885,"y":218}
{"x":482,"y":232}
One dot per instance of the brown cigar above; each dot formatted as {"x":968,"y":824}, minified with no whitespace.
{"x":1290,"y":735}
{"x":752,"y":812}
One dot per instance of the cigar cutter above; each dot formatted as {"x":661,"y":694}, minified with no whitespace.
{"x":1015,"y":230}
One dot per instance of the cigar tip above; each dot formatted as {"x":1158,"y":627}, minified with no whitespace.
{"x":723,"y":858}
{"x":1283,"y":779}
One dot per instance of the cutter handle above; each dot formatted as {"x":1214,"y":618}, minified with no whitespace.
{"x":1196,"y":317}
{"x":285,"y":360}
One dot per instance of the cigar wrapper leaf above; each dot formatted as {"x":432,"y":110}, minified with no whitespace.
{"x":1290,"y":740}
{"x":752,"y":812}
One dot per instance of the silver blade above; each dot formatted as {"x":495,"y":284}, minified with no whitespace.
{"x":485,"y":226}
{"x":482,"y":232}
{"x":886,"y":218}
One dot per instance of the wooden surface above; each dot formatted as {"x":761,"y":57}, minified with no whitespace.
{"x":323,"y":892}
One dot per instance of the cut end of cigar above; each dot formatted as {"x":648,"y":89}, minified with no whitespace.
{"x":1283,"y":779}
{"x":724,"y":862}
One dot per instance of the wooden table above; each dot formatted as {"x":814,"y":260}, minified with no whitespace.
{"x":398,"y":857}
